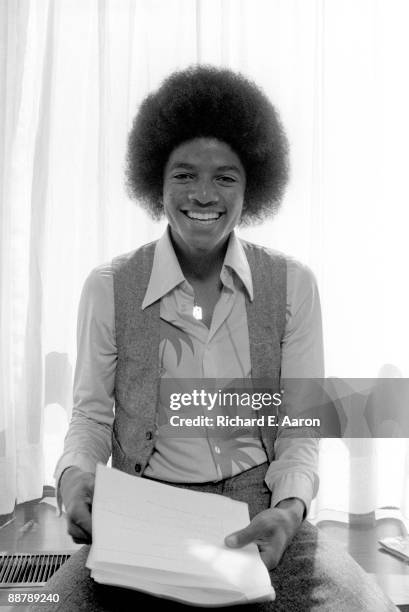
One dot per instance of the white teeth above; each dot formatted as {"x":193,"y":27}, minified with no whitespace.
{"x":203,"y":216}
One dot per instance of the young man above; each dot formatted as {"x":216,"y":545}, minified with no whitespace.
{"x":208,"y":151}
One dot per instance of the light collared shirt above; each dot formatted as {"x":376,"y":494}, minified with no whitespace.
{"x":189,"y":350}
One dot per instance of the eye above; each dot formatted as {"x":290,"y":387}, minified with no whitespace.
{"x":228,"y":180}
{"x":183,"y":176}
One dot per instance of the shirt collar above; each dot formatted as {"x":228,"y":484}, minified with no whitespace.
{"x":236,"y":260}
{"x":166,"y":272}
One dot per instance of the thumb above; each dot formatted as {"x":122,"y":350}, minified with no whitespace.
{"x":240,"y":538}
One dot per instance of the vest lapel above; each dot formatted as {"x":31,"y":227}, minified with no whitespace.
{"x":137,"y":371}
{"x":266,"y":324}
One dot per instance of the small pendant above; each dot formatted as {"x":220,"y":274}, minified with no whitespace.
{"x":197,"y":313}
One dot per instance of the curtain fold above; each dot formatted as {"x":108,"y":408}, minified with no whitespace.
{"x":72,"y":74}
{"x":21,"y":242}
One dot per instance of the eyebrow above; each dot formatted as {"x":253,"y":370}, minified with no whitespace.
{"x":186,"y":166}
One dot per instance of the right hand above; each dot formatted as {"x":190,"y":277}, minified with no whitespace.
{"x":77,"y":491}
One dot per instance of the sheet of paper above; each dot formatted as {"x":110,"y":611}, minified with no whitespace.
{"x":140,"y":523}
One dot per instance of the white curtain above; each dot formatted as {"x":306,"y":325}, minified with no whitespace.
{"x":72,"y":73}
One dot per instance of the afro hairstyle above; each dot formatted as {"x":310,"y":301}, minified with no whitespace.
{"x":208,"y":102}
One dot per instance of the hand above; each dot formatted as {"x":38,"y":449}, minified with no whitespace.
{"x":272,"y":530}
{"x":77,"y":491}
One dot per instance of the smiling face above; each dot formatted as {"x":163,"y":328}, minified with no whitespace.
{"x":203,"y":194}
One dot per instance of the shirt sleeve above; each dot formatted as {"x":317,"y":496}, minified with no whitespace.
{"x":88,"y":440}
{"x":294,"y":471}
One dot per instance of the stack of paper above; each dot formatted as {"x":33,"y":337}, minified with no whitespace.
{"x":169,"y":542}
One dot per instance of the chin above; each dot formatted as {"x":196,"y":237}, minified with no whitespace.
{"x":203,"y":247}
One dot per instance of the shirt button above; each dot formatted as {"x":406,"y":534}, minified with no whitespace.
{"x":138,"y":467}
{"x":148,"y":435}
{"x":217,"y":450}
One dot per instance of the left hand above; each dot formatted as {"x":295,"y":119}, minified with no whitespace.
{"x":272,"y":530}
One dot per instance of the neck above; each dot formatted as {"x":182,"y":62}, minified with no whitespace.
{"x":200,"y":265}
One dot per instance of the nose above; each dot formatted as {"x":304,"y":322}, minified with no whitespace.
{"x":204,"y":192}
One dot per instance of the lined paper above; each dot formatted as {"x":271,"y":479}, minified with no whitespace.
{"x":170,"y":542}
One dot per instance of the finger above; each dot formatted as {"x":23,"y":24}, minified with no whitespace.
{"x":84,"y":522}
{"x":232,"y":540}
{"x":261,"y":528}
{"x":242,"y":537}
{"x":82,"y":540}
{"x":270,"y":558}
{"x":78,"y":535}
{"x":89,"y":483}
{"x":81,"y":517}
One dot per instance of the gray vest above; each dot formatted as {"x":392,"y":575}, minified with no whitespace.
{"x":137,"y":338}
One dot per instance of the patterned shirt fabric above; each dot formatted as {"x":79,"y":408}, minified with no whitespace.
{"x":190,"y":350}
